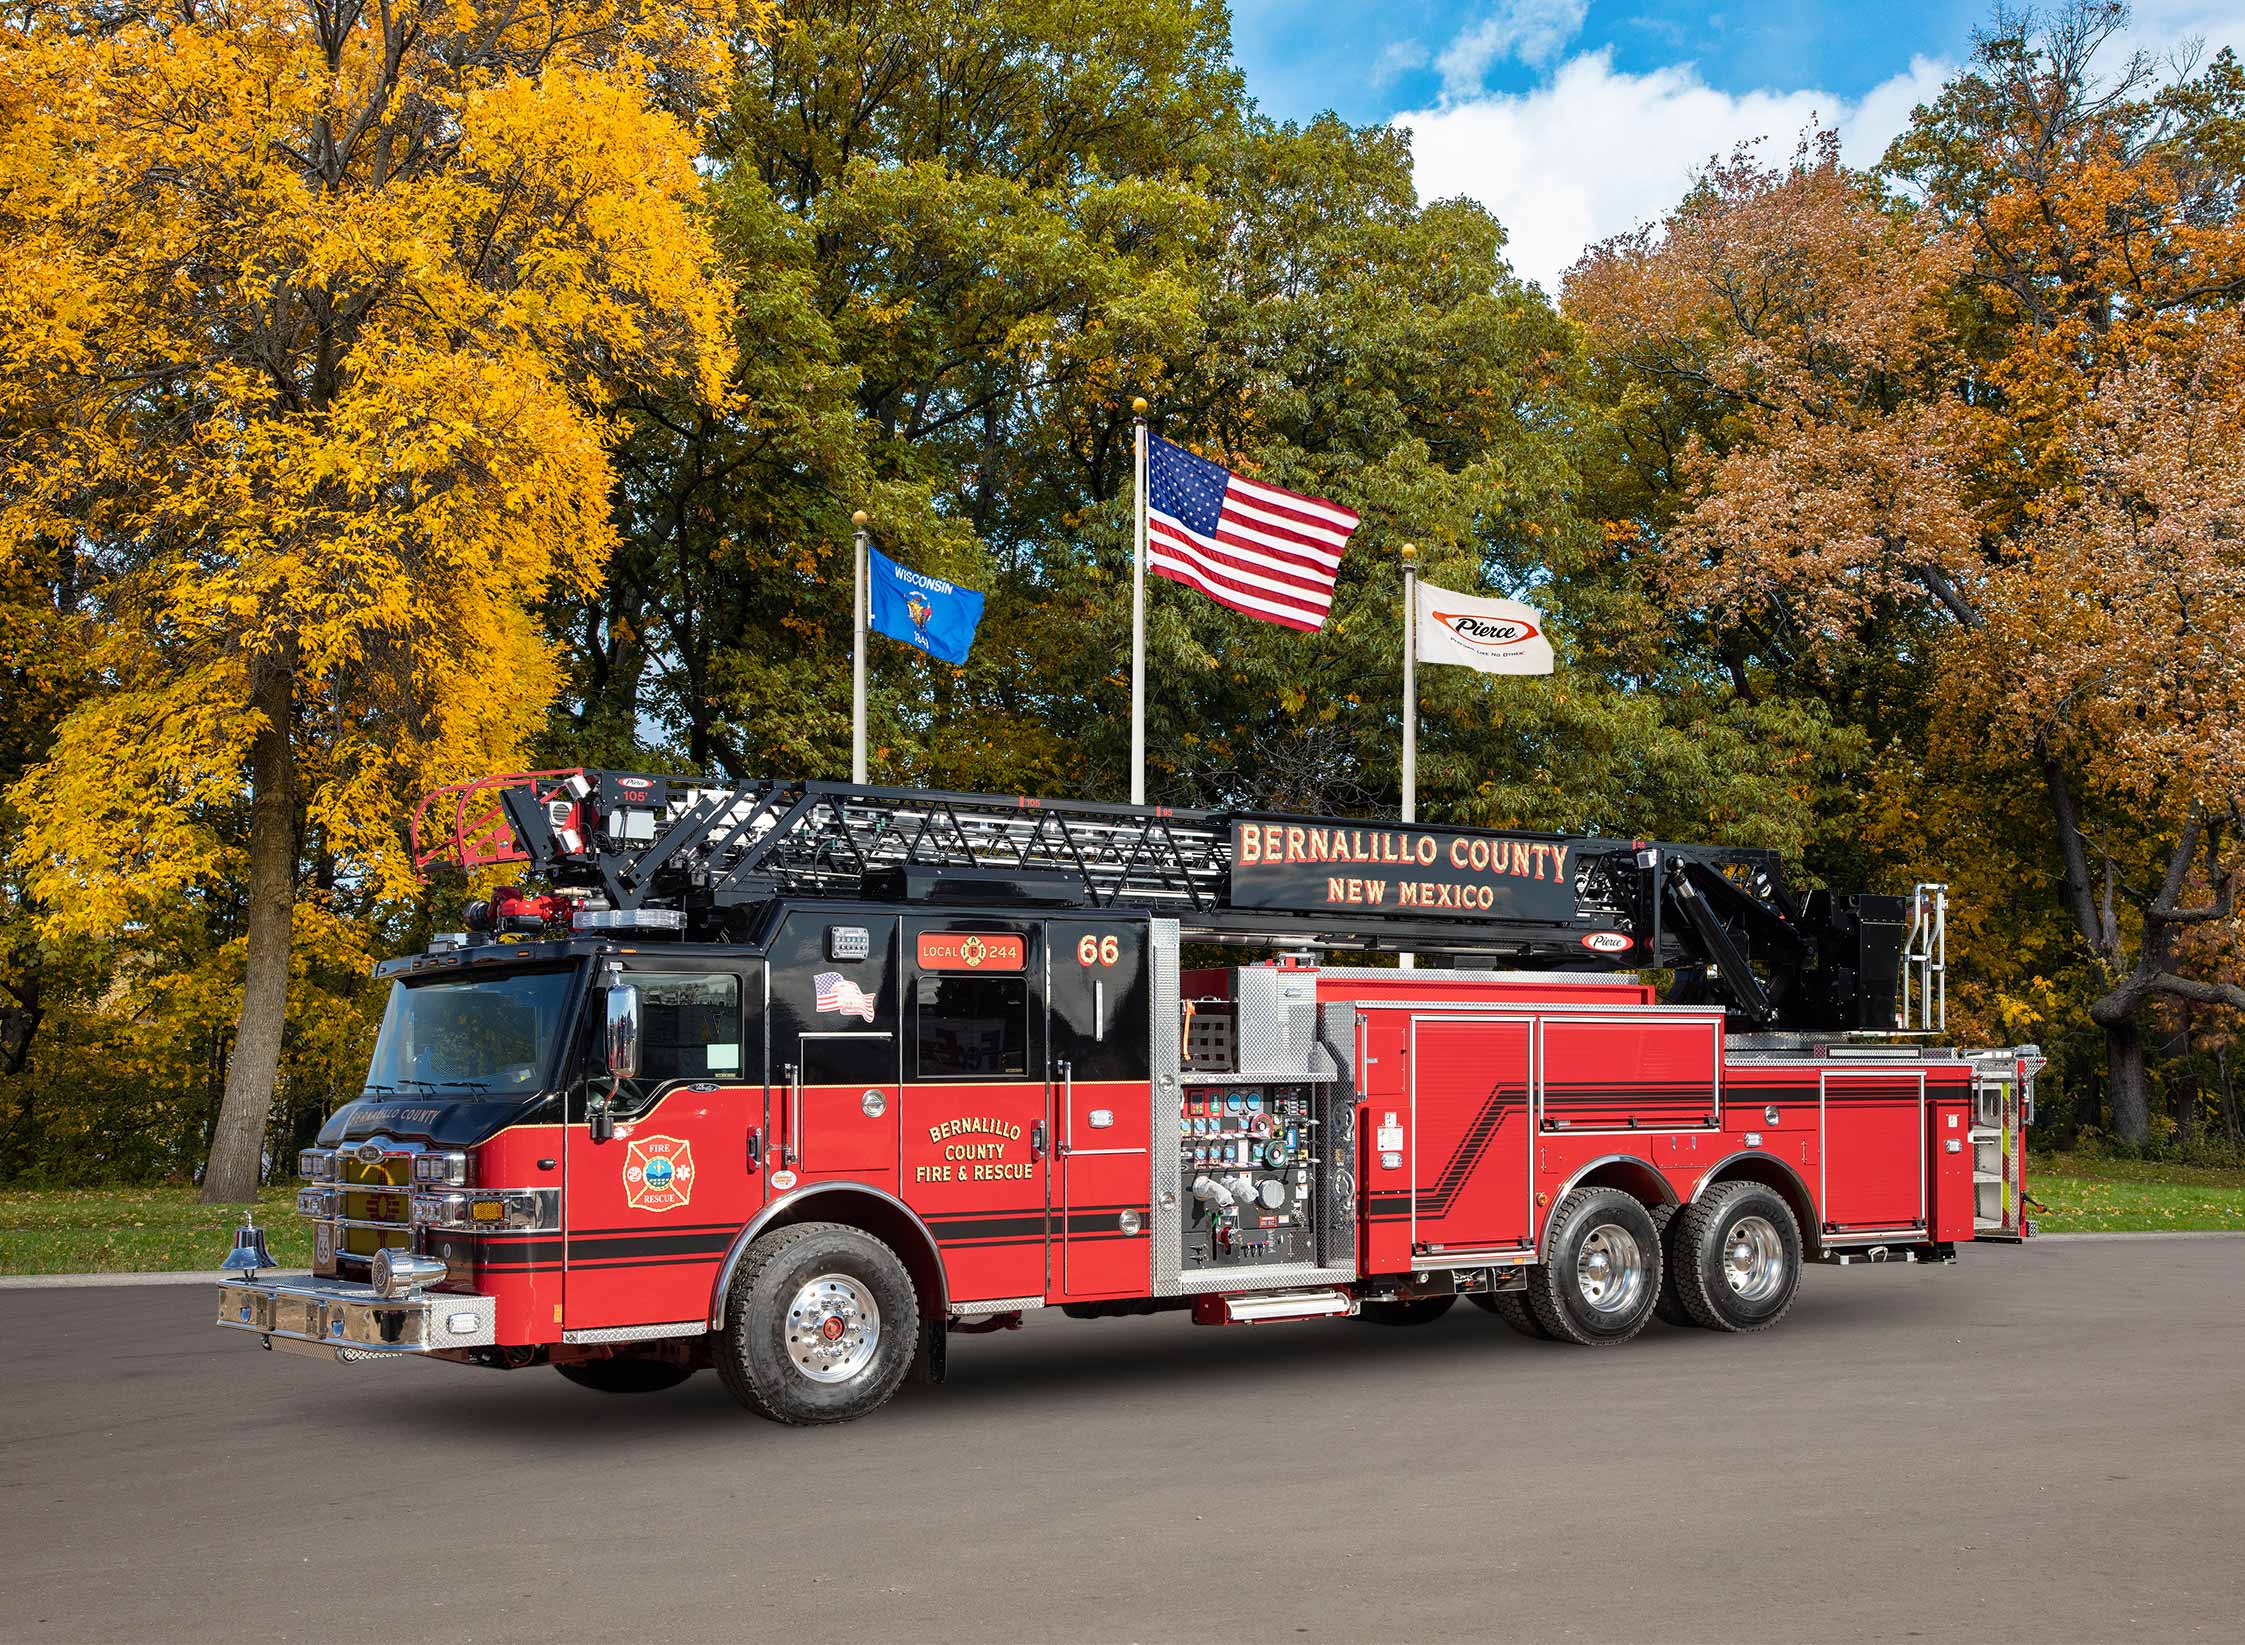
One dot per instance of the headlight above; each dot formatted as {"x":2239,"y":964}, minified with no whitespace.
{"x":316,"y":1164}
{"x":491,"y":1210}
{"x":444,"y":1168}
{"x":315,"y":1202}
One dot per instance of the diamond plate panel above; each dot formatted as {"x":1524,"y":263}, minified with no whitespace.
{"x":995,"y":1305}
{"x":637,"y":1333}
{"x":1275,"y":1277}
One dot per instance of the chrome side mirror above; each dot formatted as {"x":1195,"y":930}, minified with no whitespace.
{"x":623,"y":1056}
{"x":623,"y":1031}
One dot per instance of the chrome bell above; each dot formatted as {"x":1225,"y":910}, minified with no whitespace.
{"x":249,"y":1253}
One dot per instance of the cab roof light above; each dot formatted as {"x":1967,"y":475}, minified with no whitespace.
{"x":629,"y":919}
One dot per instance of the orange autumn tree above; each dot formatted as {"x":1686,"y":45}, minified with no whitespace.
{"x":1886,"y":409}
{"x":2094,"y":195}
{"x":311,"y":317}
{"x":2113,"y":647}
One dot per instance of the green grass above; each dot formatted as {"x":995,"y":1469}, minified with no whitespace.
{"x":137,"y":1230}
{"x":2087,"y":1193}
{"x":156,"y":1230}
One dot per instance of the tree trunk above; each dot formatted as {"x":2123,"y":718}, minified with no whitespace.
{"x":238,"y":1147}
{"x":2124,"y":1073}
{"x":2183,"y":1094}
{"x":2229,"y":1096}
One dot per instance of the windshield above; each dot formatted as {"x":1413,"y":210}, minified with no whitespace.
{"x":487,"y":1034}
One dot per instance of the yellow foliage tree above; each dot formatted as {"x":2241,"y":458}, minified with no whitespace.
{"x":311,"y":320}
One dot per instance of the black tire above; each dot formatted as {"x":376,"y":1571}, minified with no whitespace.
{"x":1600,"y":1238}
{"x":626,"y":1376}
{"x":1417,"y":1311}
{"x":1669,"y":1310}
{"x":1512,"y":1308}
{"x":754,"y":1356}
{"x":1730,"y":1214}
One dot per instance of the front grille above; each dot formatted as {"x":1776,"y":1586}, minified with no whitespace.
{"x":373,"y":1203}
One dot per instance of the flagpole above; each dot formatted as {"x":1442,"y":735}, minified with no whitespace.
{"x":1138,"y":610}
{"x":1407,"y":961}
{"x":857,"y":652}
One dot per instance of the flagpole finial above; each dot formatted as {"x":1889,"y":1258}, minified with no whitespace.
{"x":1410,"y":552}
{"x":859,"y":518}
{"x":1138,"y":406}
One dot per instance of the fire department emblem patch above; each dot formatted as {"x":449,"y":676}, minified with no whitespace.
{"x":658,"y":1173}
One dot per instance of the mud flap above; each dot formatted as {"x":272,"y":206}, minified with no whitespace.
{"x":930,"y":1358}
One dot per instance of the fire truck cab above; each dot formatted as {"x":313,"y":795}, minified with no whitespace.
{"x":944,"y":1060}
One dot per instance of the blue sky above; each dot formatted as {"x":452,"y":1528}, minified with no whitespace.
{"x":1304,"y":56}
{"x":1576,"y":119}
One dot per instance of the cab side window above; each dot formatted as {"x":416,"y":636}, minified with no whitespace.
{"x":690,"y":1025}
{"x":973,"y":1027}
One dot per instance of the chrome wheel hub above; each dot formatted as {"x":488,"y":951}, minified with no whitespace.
{"x":833,"y":1328}
{"x":1753,"y":1259}
{"x":1610,"y":1269}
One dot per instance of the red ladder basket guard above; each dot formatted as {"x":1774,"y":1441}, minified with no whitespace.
{"x":466,"y":824}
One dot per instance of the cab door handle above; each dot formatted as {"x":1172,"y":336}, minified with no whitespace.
{"x":755,"y":1149}
{"x":1037,"y":1140}
{"x":794,"y":1114}
{"x":1067,"y":1108}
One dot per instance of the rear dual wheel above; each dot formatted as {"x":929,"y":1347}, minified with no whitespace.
{"x":1670,"y":1308}
{"x":1738,"y":1258}
{"x":1512,"y":1308}
{"x":1601,"y":1272}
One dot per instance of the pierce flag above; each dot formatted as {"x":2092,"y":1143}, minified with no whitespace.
{"x":1494,"y":636}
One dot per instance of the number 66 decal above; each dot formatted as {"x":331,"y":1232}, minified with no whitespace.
{"x":1098,"y":950}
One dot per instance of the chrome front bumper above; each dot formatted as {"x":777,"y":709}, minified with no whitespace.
{"x":337,"y":1319}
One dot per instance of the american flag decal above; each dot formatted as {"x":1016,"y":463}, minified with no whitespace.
{"x":837,"y":993}
{"x":1268,"y":553}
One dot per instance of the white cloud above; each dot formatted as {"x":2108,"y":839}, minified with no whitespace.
{"x":1399,"y":57}
{"x":1534,"y":31}
{"x":2160,"y":26}
{"x":1593,"y":152}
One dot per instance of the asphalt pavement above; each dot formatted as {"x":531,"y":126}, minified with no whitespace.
{"x":2039,"y":1444}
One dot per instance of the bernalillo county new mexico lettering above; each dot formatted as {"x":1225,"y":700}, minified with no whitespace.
{"x":1286,"y":845}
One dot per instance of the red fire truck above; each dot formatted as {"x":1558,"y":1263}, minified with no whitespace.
{"x":794,"y":1079}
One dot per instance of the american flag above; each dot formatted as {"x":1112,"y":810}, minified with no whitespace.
{"x":1269,"y":553}
{"x":837,"y":993}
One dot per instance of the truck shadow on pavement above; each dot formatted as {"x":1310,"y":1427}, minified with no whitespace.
{"x":1058,"y":1365}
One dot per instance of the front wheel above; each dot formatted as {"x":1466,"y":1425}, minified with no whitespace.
{"x":1600,"y":1274}
{"x":821,"y":1325}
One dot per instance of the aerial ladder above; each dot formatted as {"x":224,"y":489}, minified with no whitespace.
{"x":650,"y":853}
